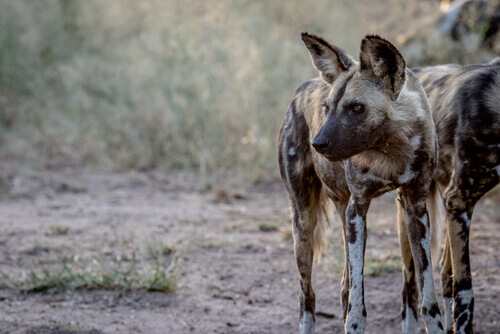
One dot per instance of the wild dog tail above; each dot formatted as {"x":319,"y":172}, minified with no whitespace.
{"x":437,"y":219}
{"x":321,"y":216}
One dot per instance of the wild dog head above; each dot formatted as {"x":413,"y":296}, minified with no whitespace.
{"x":361,"y":95}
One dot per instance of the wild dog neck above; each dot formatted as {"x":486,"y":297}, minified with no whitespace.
{"x":393,"y":152}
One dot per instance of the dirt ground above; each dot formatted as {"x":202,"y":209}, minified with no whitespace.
{"x":237,"y":268}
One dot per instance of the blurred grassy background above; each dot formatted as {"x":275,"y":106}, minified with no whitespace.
{"x":179,"y":84}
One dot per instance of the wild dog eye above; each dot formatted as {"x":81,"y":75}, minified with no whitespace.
{"x":357,"y":108}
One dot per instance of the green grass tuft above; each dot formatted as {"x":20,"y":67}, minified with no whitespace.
{"x":387,"y":263}
{"x":268,"y":226}
{"x":58,"y":229}
{"x":162,"y":275}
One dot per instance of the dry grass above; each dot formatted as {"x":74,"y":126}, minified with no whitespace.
{"x":153,"y":267}
{"x":142,"y":84}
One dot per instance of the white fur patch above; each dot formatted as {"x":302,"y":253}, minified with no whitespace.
{"x":427,"y":290}
{"x":415,"y":141}
{"x":448,"y":313}
{"x":292,"y":151}
{"x":410,"y":323}
{"x":307,"y":323}
{"x":407,"y":176}
{"x":360,"y":325}
{"x":288,"y":118}
{"x":425,"y":242}
{"x":355,"y":316}
{"x":356,"y":249}
{"x":428,"y":294}
{"x":466,"y":219}
{"x":465,"y":297}
{"x":425,"y":221}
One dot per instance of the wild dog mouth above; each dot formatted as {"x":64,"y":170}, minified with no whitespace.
{"x":329,"y":157}
{"x":339,"y":157}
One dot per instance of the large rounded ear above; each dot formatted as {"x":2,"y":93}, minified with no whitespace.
{"x":328,"y":59}
{"x":384,"y":61}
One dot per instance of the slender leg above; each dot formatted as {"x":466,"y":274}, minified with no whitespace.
{"x":344,"y":292}
{"x":303,"y":231}
{"x":467,"y":186}
{"x":417,"y":224}
{"x":356,"y":243}
{"x":304,"y":190}
{"x":458,"y":233}
{"x":409,"y":298}
{"x":447,"y":284}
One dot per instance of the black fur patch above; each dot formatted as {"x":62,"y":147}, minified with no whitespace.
{"x":352,"y":236}
{"x":434,"y":310}
{"x":304,"y":87}
{"x":344,"y":62}
{"x":409,"y":293}
{"x":464,"y":284}
{"x":441,"y":82}
{"x":340,"y":92}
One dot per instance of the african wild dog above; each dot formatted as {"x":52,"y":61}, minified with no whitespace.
{"x":360,"y":130}
{"x":465,"y":105}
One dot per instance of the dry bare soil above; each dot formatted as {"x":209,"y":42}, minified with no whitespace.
{"x":235,"y":272}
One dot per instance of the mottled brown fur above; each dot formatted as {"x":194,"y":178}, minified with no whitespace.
{"x":360,"y":130}
{"x":466,"y":110}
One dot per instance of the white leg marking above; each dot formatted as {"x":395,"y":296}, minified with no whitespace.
{"x":307,"y":323}
{"x":427,"y":290}
{"x":448,"y":313}
{"x":465,"y":297}
{"x":355,"y":322}
{"x":410,"y":324}
{"x":466,"y":219}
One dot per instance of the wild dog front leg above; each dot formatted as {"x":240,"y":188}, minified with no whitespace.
{"x":303,"y":235}
{"x":409,"y":298}
{"x":417,"y":225}
{"x":344,"y":292}
{"x":356,"y":243}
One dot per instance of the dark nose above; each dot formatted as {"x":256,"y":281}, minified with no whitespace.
{"x":320,"y":144}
